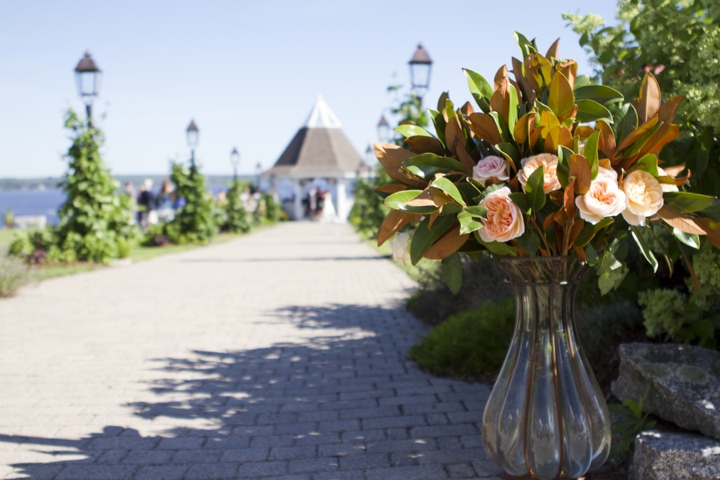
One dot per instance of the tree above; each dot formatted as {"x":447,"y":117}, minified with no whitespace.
{"x":236,"y":220}
{"x":679,"y":41}
{"x":194,"y":222}
{"x":94,"y":217}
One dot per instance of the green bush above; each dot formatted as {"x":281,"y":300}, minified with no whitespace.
{"x":273,"y":207}
{"x":13,"y":275}
{"x":472,"y":343}
{"x":236,"y":218}
{"x":194,"y":222}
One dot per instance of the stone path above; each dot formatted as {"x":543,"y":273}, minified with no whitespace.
{"x":279,"y":355}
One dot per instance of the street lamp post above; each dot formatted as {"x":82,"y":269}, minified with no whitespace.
{"x":383,"y":129}
{"x":192,"y":133}
{"x":420,"y":66}
{"x":87,"y":79}
{"x":235,"y":161}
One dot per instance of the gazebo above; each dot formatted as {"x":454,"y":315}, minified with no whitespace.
{"x":321,"y":155}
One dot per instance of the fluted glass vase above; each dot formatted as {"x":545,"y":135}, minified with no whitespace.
{"x":546,"y":417}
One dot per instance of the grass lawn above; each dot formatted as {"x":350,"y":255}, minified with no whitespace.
{"x":138,"y":254}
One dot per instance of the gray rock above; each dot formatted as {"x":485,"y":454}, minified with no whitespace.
{"x":684,"y":383}
{"x":663,"y":455}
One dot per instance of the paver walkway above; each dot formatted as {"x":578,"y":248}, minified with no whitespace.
{"x":279,"y":355}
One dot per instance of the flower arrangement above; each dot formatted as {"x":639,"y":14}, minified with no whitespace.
{"x":550,"y":165}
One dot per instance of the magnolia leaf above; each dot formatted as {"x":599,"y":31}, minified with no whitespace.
{"x":448,"y":187}
{"x":452,"y":272}
{"x":686,"y":238}
{"x":448,"y":244}
{"x":590,"y":151}
{"x":553,"y":51}
{"x":673,"y":217}
{"x":591,"y":256}
{"x":581,"y":170}
{"x":496,"y":248}
{"x":648,"y":103}
{"x":667,"y":110}
{"x":438,"y":122}
{"x":607,"y":139}
{"x":665,"y":134}
{"x":600,"y":93}
{"x":712,"y":230}
{"x":432,"y":160}
{"x":480,"y":89}
{"x":529,"y":241}
{"x":522,"y":127}
{"x":560,"y":96}
{"x":512,"y":107}
{"x":581,"y":81}
{"x":391,"y":157}
{"x":589,"y":230}
{"x":401,"y":200}
{"x":510,"y":152}
{"x":408,"y":130}
{"x":425,"y":235}
{"x":484,"y":126}
{"x":563,"y":168}
{"x":394,"y":221}
{"x":644,"y":247}
{"x":386,"y":190}
{"x":502,"y":126}
{"x":421,"y":144}
{"x":592,"y":111}
{"x":688,"y":202}
{"x":521,"y":201}
{"x":534,"y":190}
{"x":627,"y":122}
{"x":649,"y":163}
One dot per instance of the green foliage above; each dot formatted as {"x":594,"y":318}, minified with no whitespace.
{"x":273,"y":207}
{"x":9,"y":219}
{"x":13,"y":275}
{"x":369,"y":211}
{"x":194,"y":222}
{"x":472,"y":343}
{"x":236,"y":218}
{"x":689,"y":318}
{"x":680,"y":42}
{"x":631,"y":422}
{"x":94,"y":216}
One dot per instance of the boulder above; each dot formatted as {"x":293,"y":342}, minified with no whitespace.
{"x":663,"y":455}
{"x":684,"y":383}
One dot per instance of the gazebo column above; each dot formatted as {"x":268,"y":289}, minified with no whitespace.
{"x":298,"y":199}
{"x":342,"y":199}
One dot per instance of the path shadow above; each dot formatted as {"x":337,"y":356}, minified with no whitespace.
{"x":332,"y":399}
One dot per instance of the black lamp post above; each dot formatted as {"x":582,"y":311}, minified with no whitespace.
{"x":420,"y":66}
{"x":235,"y":161}
{"x":383,"y":129}
{"x":192,"y":134}
{"x":87,"y":79}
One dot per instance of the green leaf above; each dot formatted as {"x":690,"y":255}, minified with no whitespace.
{"x":496,"y":248}
{"x":581,"y":81}
{"x":502,"y":126}
{"x":452,"y":272}
{"x":480,"y":89}
{"x":424,"y":171}
{"x":468,"y":190}
{"x":627,"y":122}
{"x":439,"y":123}
{"x":688,"y":239}
{"x":526,"y":46}
{"x":590,"y":151}
{"x":512,"y":108}
{"x":529,"y":241}
{"x":476,"y":210}
{"x":592,"y":111}
{"x":432,"y":160}
{"x":589,"y":231}
{"x":425,"y":235}
{"x":649,"y":163}
{"x":599,"y":93}
{"x":534,"y":190}
{"x":509,"y":151}
{"x":521,"y":201}
{"x":448,"y":187}
{"x":563,"y":168}
{"x":591,"y":256}
{"x":644,"y":247}
{"x":399,"y":200}
{"x":469,"y":219}
{"x":412,"y":131}
{"x":688,"y":202}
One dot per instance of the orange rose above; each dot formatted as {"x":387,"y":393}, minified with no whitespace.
{"x":504,"y":219}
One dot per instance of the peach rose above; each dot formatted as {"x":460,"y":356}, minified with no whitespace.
{"x":491,"y":167}
{"x":603,"y":199}
{"x":549,"y":162}
{"x":504,"y":219}
{"x":644,"y":197}
{"x":666,"y":187}
{"x":401,"y":247}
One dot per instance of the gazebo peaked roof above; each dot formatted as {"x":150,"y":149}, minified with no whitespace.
{"x":319,"y":148}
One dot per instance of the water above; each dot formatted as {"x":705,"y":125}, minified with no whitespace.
{"x":47,"y":202}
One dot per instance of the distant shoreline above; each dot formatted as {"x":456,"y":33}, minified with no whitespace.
{"x":9,"y":184}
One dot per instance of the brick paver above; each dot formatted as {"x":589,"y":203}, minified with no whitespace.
{"x":278,"y":355}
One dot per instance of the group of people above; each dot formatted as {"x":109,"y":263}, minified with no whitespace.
{"x":151,"y":208}
{"x":319,"y":206}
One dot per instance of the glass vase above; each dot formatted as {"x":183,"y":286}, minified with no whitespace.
{"x":546,"y":417}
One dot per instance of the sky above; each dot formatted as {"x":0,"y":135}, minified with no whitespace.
{"x":248,"y":73}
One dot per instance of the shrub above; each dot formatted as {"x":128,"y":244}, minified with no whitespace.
{"x":13,"y":275}
{"x":472,"y":343}
{"x":194,"y":222}
{"x":124,"y":248}
{"x":236,"y":218}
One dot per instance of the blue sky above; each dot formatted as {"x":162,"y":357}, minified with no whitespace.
{"x":247,"y":72}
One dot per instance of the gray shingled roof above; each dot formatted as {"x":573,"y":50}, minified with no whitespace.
{"x":318,"y":150}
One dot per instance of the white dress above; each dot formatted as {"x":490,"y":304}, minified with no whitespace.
{"x":328,"y":214}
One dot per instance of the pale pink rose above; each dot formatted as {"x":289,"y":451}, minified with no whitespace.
{"x":504,"y":219}
{"x":549,"y":162}
{"x":603,"y":199}
{"x":666,"y":187}
{"x":401,"y":247}
{"x":644,"y":197}
{"x":492,"y":166}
